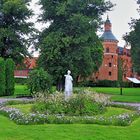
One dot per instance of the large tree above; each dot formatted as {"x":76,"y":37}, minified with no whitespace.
{"x":14,"y":29}
{"x":133,"y":38}
{"x":71,"y":41}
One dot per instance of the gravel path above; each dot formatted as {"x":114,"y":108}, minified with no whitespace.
{"x":3,"y":100}
{"x":129,"y":104}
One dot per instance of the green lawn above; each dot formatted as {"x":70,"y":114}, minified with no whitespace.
{"x":116,"y":91}
{"x":21,"y":89}
{"x":26,"y":108}
{"x":129,"y":94}
{"x":10,"y":131}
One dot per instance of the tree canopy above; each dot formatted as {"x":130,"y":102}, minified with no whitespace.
{"x":71,"y":42}
{"x":133,"y":37}
{"x":14,"y":29}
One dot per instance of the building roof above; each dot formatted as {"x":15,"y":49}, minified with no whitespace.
{"x":108,"y":35}
{"x":30,"y":62}
{"x":134,"y":80}
{"x":124,"y":50}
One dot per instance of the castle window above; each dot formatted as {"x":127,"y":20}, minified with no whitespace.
{"x":124,"y":75}
{"x":110,"y":73}
{"x":112,"y":56}
{"x":107,"y":50}
{"x":110,"y":65}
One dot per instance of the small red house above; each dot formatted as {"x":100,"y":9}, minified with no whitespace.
{"x":29,"y":64}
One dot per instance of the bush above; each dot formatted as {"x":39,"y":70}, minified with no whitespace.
{"x":83,"y":104}
{"x":21,"y":81}
{"x":79,"y":104}
{"x":39,"y":81}
{"x":107,"y":83}
{"x":2,"y":77}
{"x":86,"y":84}
{"x":10,"y":81}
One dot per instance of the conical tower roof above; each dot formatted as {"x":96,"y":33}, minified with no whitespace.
{"x":108,"y":35}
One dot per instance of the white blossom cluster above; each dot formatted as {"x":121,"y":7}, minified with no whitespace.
{"x":36,"y":118}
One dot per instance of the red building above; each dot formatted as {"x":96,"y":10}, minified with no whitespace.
{"x":23,"y":71}
{"x":112,"y":56}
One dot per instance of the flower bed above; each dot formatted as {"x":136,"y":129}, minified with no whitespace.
{"x":80,"y":108}
{"x":37,"y":118}
{"x":77,"y":105}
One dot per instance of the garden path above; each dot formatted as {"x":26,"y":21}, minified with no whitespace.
{"x":3,"y":100}
{"x":129,"y":104}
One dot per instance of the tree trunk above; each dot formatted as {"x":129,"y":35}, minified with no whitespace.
{"x":60,"y":85}
{"x":120,"y":90}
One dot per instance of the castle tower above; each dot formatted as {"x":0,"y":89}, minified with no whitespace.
{"x":109,"y":68}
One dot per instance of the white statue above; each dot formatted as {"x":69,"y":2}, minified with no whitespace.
{"x":68,"y":84}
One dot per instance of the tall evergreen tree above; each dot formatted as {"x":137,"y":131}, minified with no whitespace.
{"x":133,"y":37}
{"x":9,"y":72}
{"x":71,"y":41}
{"x":13,"y":28}
{"x":2,"y":77}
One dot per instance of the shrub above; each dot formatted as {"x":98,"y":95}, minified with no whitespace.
{"x":107,"y":83}
{"x":21,"y":81}
{"x":10,"y":81}
{"x":83,"y":104}
{"x":39,"y":81}
{"x":2,"y":77}
{"x":79,"y":104}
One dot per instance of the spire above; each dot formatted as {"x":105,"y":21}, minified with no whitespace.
{"x":108,"y":35}
{"x":107,"y":24}
{"x":107,"y":17}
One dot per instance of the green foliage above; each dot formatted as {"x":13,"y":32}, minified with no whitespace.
{"x":71,"y":41}
{"x":83,"y":104}
{"x":79,"y":104}
{"x":10,"y":81}
{"x":133,"y":39}
{"x":21,"y":81}
{"x":107,"y":83}
{"x":2,"y":77}
{"x":39,"y":81}
{"x":13,"y":29}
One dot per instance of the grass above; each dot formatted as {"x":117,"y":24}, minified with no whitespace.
{"x":116,"y":91}
{"x":21,"y":89}
{"x":10,"y":131}
{"x":26,"y":108}
{"x":114,"y":111}
{"x":129,"y":94}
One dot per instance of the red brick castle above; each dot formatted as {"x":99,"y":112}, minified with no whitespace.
{"x":112,"y":53}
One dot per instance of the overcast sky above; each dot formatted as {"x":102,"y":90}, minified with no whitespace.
{"x":119,"y":17}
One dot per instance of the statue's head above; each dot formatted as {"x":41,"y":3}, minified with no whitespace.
{"x":69,"y":72}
